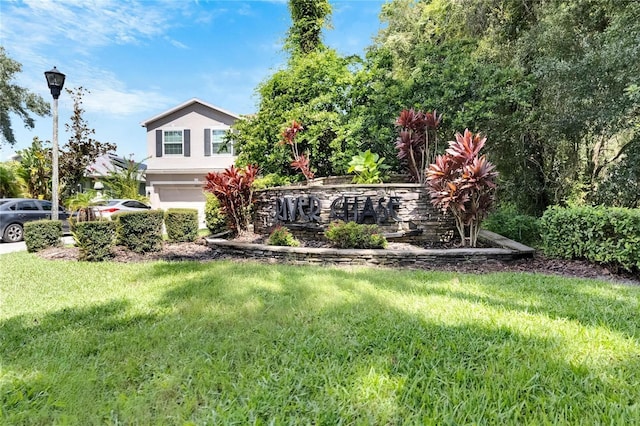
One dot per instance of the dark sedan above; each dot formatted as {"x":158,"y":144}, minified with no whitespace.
{"x":15,"y":212}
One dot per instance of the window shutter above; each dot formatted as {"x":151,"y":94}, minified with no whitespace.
{"x":187,"y":143}
{"x":207,"y":142}
{"x":158,"y":143}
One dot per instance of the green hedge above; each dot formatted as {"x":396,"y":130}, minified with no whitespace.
{"x":604,"y":235}
{"x":140,"y":231}
{"x":214,"y":218}
{"x":353,"y":235}
{"x":95,"y":239}
{"x":181,"y":225}
{"x":42,"y":234}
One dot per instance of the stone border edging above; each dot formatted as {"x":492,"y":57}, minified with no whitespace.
{"x":508,"y":250}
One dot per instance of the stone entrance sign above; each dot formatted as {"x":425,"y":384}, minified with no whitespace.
{"x":401,"y":209}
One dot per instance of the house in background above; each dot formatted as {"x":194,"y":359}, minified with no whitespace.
{"x":183,"y":145}
{"x":107,"y":163}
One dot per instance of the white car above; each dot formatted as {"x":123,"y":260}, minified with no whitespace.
{"x":110,"y":207}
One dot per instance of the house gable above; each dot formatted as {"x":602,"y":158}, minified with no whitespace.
{"x":182,"y":137}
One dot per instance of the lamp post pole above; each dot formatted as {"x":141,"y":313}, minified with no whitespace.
{"x":55,"y":80}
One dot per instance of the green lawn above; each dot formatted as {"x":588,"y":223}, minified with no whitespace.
{"x":227,"y":343}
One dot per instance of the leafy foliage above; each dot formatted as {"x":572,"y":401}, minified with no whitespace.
{"x":16,"y":100}
{"x":368,"y":167}
{"x":214,"y":218}
{"x":606,"y":235}
{"x":233,"y":188}
{"x":9,"y":187}
{"x":81,"y":150}
{"x":418,"y":141}
{"x":181,"y":224}
{"x":281,"y":236}
{"x":551,"y":81}
{"x":300,"y":161}
{"x":95,"y":239}
{"x":270,"y":180}
{"x":35,"y":169}
{"x":123,"y":179}
{"x":308,"y":18}
{"x":315,"y":89}
{"x":82,"y":203}
{"x":507,"y":221}
{"x":462,"y":183}
{"x":352,"y":235}
{"x":140,"y":231}
{"x":42,"y":234}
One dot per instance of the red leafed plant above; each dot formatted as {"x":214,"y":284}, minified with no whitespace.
{"x":417,"y":142}
{"x":233,"y":188}
{"x":463,"y":183}
{"x":300,"y":161}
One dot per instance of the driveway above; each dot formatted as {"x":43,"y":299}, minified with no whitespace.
{"x":21,"y":246}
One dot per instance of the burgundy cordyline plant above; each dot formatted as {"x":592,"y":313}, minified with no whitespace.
{"x":417,"y":142}
{"x":463,"y":183}
{"x":300,"y":161}
{"x":233,"y":188}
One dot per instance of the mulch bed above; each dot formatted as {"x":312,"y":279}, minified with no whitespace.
{"x":199,"y":251}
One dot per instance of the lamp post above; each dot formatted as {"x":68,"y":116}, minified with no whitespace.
{"x":55,"y":80}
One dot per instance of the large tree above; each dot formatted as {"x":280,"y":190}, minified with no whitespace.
{"x":314,"y":89}
{"x":16,"y":100}
{"x":552,"y":83}
{"x":82,"y":149}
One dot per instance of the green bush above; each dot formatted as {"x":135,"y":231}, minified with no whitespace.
{"x":140,"y":231}
{"x":354,"y":235}
{"x":214,"y":218}
{"x":281,"y":236}
{"x":95,"y":239}
{"x":42,"y":234}
{"x":511,"y":224}
{"x":605,"y":235}
{"x":271,"y":180}
{"x":181,"y":224}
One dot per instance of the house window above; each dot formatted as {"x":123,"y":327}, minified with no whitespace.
{"x":217,"y":143}
{"x":172,"y":142}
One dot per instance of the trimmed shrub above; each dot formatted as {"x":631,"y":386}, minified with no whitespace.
{"x":214,"y":217}
{"x":281,"y":236}
{"x":354,"y":235}
{"x":95,"y":239}
{"x":140,"y":231}
{"x":42,"y":234}
{"x":519,"y":227}
{"x":605,"y":235}
{"x":181,"y":225}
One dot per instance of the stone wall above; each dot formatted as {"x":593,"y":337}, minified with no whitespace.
{"x":402,"y":210}
{"x":503,"y":250}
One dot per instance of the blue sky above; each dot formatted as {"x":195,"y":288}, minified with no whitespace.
{"x":140,"y":58}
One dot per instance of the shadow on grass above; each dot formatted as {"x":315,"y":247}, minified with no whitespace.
{"x":243,"y":343}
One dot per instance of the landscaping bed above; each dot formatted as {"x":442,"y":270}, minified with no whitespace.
{"x":199,"y":251}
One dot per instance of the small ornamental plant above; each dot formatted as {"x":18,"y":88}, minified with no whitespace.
{"x":281,"y":236}
{"x":417,"y":142}
{"x":368,"y":167}
{"x":462,"y":182}
{"x":234,"y":190}
{"x":300,"y":161}
{"x":352,"y":235}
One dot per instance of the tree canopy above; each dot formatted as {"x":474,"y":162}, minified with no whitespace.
{"x":553,"y":84}
{"x":16,"y":100}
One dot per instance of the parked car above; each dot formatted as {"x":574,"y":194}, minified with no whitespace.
{"x":109,"y":207}
{"x":15,"y":212}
